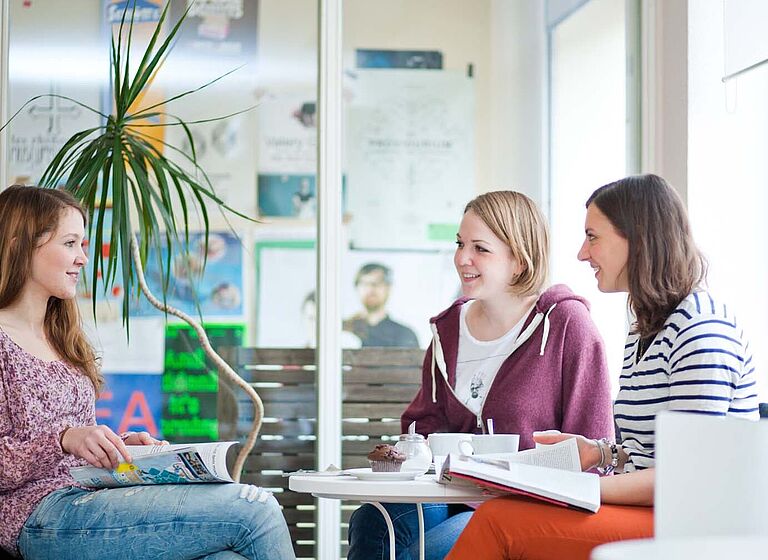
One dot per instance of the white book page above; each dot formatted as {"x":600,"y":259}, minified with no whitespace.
{"x":563,"y":455}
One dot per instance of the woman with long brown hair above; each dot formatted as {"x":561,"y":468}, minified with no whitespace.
{"x":684,"y":352}
{"x":49,"y":378}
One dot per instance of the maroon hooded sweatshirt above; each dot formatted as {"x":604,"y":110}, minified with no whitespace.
{"x":555,"y":378}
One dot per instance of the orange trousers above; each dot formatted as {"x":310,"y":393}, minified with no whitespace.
{"x":518,"y":528}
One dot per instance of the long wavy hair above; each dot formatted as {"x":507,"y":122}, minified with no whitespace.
{"x":27,"y":215}
{"x":664,"y":265}
{"x":517,"y":221}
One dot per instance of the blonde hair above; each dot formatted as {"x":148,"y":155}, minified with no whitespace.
{"x":517,"y":221}
{"x":26,"y":215}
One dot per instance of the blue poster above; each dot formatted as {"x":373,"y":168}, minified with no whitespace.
{"x":287,"y":195}
{"x":217,"y":289}
{"x":378,"y":58}
{"x":131,"y":402}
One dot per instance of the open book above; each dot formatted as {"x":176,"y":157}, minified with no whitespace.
{"x":162,"y":464}
{"x":551,"y":473}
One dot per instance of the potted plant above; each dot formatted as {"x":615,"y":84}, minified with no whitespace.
{"x":118,"y":161}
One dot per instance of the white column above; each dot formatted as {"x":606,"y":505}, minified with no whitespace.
{"x":329,"y":249}
{"x":4,"y":32}
{"x":633,"y":41}
{"x":665,"y":91}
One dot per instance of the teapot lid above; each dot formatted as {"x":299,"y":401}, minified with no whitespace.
{"x":411,"y":437}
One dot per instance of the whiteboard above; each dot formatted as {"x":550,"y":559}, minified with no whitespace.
{"x":410,"y":144}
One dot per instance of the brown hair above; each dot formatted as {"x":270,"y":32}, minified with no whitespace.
{"x":517,"y":221}
{"x":664,"y":265}
{"x":26,"y":215}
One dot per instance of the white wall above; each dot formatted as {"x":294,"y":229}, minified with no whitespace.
{"x":728,"y":175}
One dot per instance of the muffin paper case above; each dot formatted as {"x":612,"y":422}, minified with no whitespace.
{"x":385,"y":458}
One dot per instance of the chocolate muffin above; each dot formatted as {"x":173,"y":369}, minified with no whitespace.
{"x":385,"y":458}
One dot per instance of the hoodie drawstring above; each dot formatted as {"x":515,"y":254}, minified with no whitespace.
{"x":545,"y":334}
{"x":437,"y":360}
{"x":434,"y":385}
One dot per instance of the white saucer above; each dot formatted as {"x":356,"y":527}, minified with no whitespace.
{"x":368,"y":474}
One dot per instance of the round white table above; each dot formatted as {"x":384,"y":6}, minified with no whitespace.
{"x":424,"y":489}
{"x":700,"y":548}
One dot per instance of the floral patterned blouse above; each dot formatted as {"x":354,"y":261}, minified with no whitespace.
{"x":38,"y":399}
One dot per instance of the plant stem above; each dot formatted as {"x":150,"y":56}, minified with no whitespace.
{"x":222,"y":366}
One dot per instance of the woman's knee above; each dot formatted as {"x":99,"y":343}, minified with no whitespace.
{"x":498,"y":508}
{"x":366,"y":519}
{"x":369,"y":518}
{"x":257,"y":508}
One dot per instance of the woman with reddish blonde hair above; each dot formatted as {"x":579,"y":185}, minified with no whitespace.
{"x":49,"y":378}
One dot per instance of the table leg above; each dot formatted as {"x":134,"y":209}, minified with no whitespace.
{"x":421,"y":530}
{"x":391,"y":527}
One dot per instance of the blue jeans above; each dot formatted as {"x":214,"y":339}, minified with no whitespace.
{"x":164,"y":522}
{"x":369,"y":538}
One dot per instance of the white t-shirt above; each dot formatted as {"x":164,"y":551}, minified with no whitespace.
{"x":479,"y":360}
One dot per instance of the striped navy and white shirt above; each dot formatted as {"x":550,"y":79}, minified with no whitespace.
{"x":699,"y":362}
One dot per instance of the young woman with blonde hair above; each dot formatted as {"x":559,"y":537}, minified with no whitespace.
{"x":511,"y":349}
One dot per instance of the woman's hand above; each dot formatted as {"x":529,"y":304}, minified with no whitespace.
{"x":140,"y":438}
{"x":96,"y":444}
{"x":589,"y":452}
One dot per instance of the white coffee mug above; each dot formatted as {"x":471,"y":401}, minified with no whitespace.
{"x":442,"y":444}
{"x":483,"y":444}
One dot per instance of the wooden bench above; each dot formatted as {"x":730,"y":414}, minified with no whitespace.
{"x":378,"y":383}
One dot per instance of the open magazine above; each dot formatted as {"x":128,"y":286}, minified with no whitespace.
{"x":551,"y":473}
{"x":161,"y":464}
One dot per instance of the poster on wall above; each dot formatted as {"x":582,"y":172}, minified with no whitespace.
{"x":43,"y":127}
{"x":287,"y":153}
{"x":131,"y":402}
{"x":218,"y":36}
{"x":292,"y":196}
{"x":142,"y":352}
{"x":414,"y":60}
{"x":287,"y":141}
{"x":109,"y":299}
{"x":54,"y":49}
{"x":383,"y":302}
{"x":411,"y":158}
{"x":190,"y":383}
{"x":217,"y":290}
{"x":145,"y":14}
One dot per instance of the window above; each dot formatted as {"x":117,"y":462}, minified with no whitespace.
{"x":590,"y":83}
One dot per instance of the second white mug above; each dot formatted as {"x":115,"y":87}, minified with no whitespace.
{"x":483,"y":444}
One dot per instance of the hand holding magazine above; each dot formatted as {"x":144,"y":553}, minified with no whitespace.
{"x":550,"y":472}
{"x":162,"y":464}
